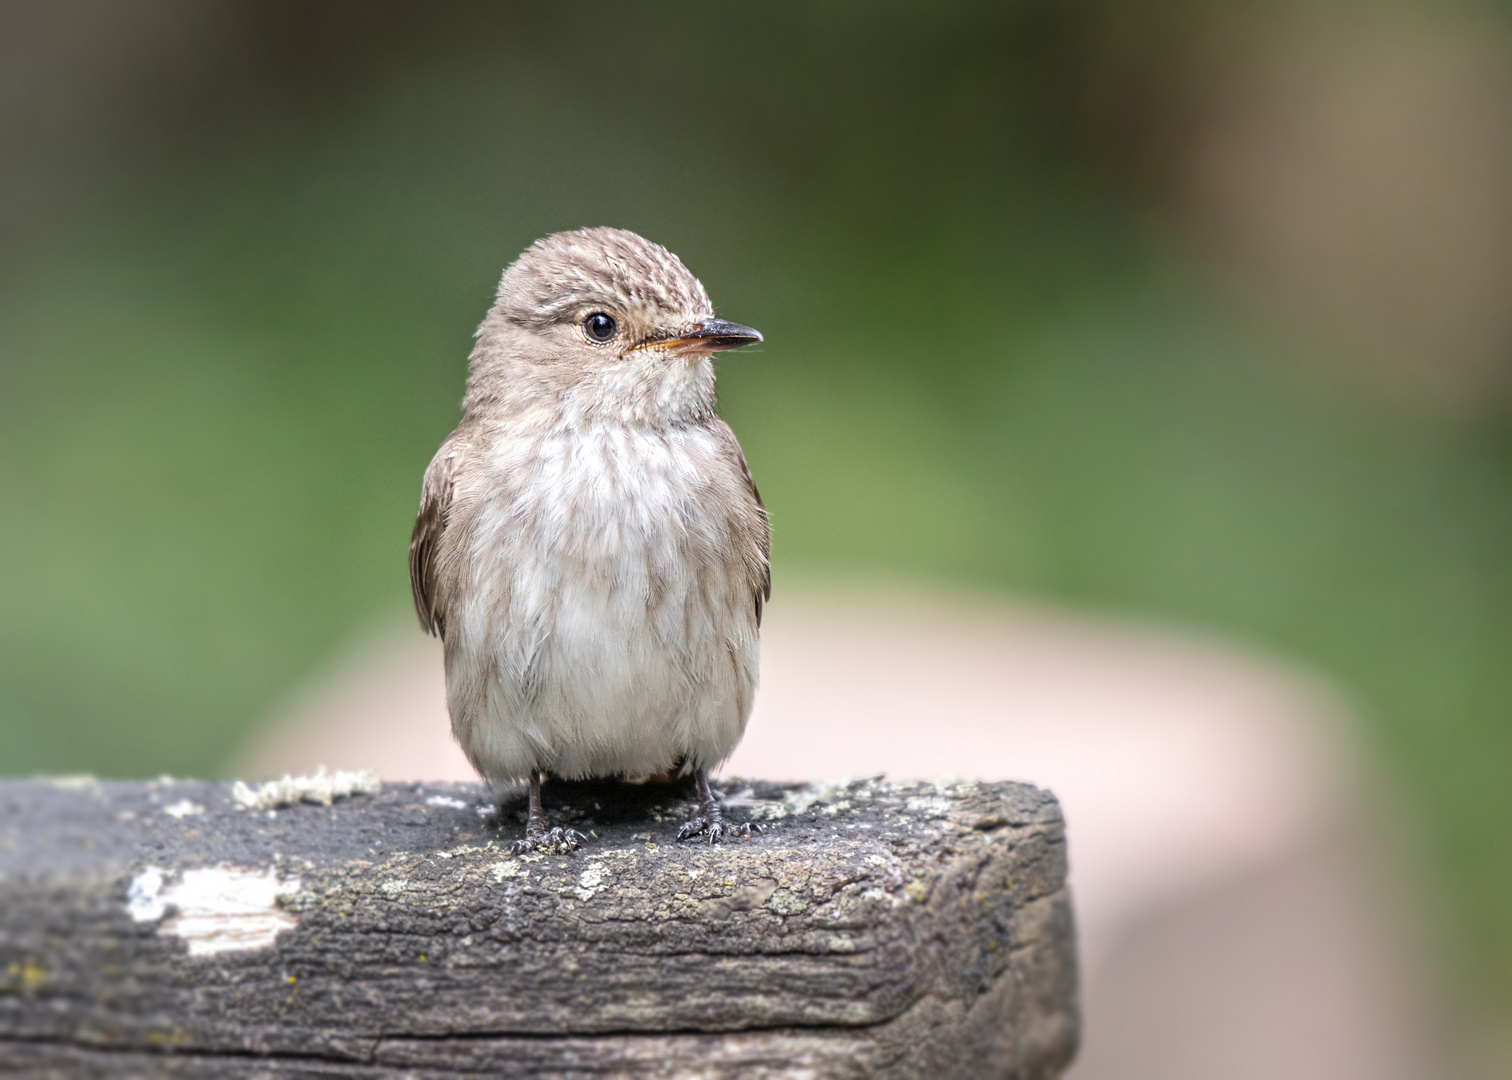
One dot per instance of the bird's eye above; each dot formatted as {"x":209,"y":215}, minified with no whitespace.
{"x":600,"y":327}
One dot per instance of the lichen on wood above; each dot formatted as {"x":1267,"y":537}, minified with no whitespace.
{"x":872,"y":929}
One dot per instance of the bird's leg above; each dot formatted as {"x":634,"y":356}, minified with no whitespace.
{"x":709,"y":818}
{"x":537,"y":836}
{"x":535,"y":821}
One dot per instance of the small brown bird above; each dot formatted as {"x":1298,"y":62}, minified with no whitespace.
{"x":590,"y":545}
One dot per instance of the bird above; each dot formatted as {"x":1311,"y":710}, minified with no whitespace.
{"x":590,"y":545}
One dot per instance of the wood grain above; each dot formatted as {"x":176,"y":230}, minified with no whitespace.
{"x":873,"y":930}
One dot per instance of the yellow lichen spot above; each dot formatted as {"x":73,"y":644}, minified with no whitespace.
{"x":28,"y":972}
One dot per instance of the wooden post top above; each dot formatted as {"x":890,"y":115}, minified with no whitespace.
{"x":189,"y":928}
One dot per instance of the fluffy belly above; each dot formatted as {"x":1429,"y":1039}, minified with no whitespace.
{"x":601,"y":638}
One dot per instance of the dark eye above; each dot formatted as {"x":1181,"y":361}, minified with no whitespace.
{"x":600,"y":327}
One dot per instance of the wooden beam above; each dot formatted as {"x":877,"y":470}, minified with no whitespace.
{"x":873,"y":930}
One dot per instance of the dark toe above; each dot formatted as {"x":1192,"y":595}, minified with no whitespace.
{"x":555,"y":842}
{"x":717,"y":829}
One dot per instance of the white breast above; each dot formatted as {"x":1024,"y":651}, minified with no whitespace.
{"x":603,"y":624}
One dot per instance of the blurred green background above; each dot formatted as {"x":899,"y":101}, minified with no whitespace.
{"x":1190,"y":308}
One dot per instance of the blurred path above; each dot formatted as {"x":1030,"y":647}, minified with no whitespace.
{"x":1229,"y":922}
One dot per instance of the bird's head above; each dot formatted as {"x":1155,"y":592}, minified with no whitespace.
{"x":606,"y":324}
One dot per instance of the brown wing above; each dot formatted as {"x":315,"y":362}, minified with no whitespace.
{"x":757,"y":531}
{"x":425,"y":541}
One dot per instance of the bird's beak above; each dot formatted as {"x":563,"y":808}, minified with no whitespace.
{"x":709,"y":336}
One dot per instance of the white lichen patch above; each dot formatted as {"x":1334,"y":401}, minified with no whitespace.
{"x":928,"y":804}
{"x":144,"y":896}
{"x":509,"y":868}
{"x":784,"y":902}
{"x":394,"y":886}
{"x":323,"y":788}
{"x":183,"y":808}
{"x":800,"y":799}
{"x":443,"y":800}
{"x":459,"y":850}
{"x":215,"y":910}
{"x":589,"y":881}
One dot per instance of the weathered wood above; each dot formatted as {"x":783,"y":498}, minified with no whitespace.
{"x":874,"y":929}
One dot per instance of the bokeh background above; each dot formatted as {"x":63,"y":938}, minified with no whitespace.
{"x":1194,"y":309}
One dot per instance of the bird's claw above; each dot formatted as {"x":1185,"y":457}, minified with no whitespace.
{"x":717,"y":829}
{"x":557,"y":841}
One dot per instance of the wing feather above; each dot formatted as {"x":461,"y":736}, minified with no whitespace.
{"x":756,"y":529}
{"x":425,"y":542}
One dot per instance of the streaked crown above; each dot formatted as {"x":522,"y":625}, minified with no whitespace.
{"x":561,"y":276}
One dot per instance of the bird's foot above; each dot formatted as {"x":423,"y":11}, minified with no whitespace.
{"x":716,"y":828}
{"x":549,"y":841}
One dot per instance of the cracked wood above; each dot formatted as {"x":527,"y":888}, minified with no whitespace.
{"x":874,"y":929}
